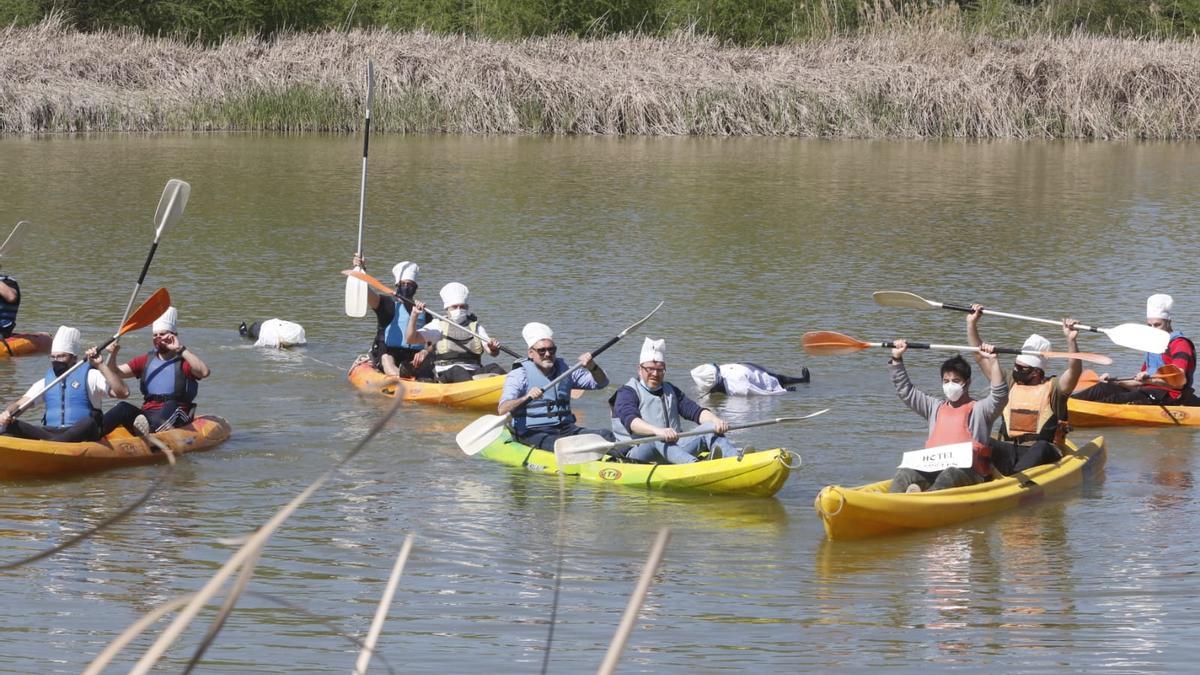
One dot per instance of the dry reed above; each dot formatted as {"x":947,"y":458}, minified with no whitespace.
{"x":901,"y":79}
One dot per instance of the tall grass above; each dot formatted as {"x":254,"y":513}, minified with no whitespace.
{"x":933,"y":77}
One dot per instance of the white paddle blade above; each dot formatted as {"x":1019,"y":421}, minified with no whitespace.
{"x":941,"y":457}
{"x":479,"y":434}
{"x":581,"y":449}
{"x":171,"y":205}
{"x":356,"y":297}
{"x":903,"y":300}
{"x":1139,"y":337}
{"x":13,"y":242}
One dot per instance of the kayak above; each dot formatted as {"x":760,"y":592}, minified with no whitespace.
{"x":870,"y":510}
{"x":24,"y":344}
{"x":755,"y":474}
{"x":1095,"y":414}
{"x":23,"y":458}
{"x":481,"y":394}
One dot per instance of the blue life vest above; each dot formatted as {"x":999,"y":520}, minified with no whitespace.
{"x":8,"y":310}
{"x":1156,"y":361}
{"x":393,"y":332}
{"x":660,"y":409}
{"x":68,"y":402}
{"x":163,"y":380}
{"x":553,"y":408}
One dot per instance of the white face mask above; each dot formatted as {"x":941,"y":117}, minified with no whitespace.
{"x":457,"y":315}
{"x":953,"y":391}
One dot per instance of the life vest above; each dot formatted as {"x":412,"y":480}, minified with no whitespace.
{"x":8,"y":310}
{"x":1156,"y":361}
{"x":553,"y":408}
{"x":953,"y":425}
{"x":660,"y":409}
{"x":68,"y":402}
{"x":393,"y":331}
{"x":1030,"y":414}
{"x":449,"y":351}
{"x":163,"y":380}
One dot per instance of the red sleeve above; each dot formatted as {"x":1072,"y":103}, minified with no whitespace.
{"x":138,"y":364}
{"x":1181,"y":353}
{"x":187,"y":370}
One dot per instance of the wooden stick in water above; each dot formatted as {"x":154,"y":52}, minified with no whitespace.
{"x":635,"y":604}
{"x":364,"y":657}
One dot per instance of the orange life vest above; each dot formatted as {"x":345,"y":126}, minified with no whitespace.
{"x":1030,"y":414}
{"x":953,"y":426}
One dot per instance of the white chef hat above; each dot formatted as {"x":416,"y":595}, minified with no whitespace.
{"x":66,"y":341}
{"x":169,"y":321}
{"x":406,"y":271}
{"x":1034,"y":343}
{"x":1159,"y":305}
{"x":536,"y":332}
{"x":653,"y":350}
{"x":705,"y":376}
{"x":453,"y":293}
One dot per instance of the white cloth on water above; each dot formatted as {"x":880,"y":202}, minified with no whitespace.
{"x":278,"y":333}
{"x":743,"y":380}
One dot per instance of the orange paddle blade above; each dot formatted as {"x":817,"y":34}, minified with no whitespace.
{"x":154,"y":306}
{"x":828,"y":343}
{"x":371,"y":281}
{"x":1173,"y":375}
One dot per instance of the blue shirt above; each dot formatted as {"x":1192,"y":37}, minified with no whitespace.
{"x":516,"y":384}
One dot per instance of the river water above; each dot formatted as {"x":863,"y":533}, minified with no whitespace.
{"x":750,"y":242}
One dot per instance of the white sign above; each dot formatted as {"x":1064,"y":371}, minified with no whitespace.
{"x":941,"y":457}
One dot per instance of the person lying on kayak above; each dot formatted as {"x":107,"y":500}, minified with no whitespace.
{"x":1035,"y":419}
{"x":1145,"y":389}
{"x":390,"y":352}
{"x":457,"y":355}
{"x":956,"y":419}
{"x":743,"y":379}
{"x":169,"y":376}
{"x":275,"y":333}
{"x":540,"y":417}
{"x":649,"y":406}
{"x":73,"y":405}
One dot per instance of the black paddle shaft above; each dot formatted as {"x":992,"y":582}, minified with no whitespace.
{"x":925,"y":345}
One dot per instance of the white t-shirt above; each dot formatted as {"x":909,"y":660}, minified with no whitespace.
{"x":96,"y":384}
{"x":742,"y":380}
{"x":280,"y":333}
{"x":431,"y":334}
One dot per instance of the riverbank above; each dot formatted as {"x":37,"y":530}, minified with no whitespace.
{"x":907,"y":81}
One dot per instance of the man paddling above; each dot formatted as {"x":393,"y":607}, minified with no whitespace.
{"x":10,"y":302}
{"x":647,"y":405}
{"x":72,"y":405}
{"x":457,"y":355}
{"x":541,"y":417}
{"x":391,"y":352}
{"x":1145,"y":388}
{"x":743,"y":379}
{"x":956,"y":419}
{"x":1035,"y":418}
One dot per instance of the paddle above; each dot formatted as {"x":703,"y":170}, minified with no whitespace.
{"x":1136,"y":336}
{"x":583,"y":448}
{"x":151,"y":309}
{"x":828,"y":343}
{"x":170,"y":209}
{"x":1170,"y":373}
{"x":383,"y":288}
{"x":479,"y":434}
{"x":13,"y":242}
{"x":356,"y":290}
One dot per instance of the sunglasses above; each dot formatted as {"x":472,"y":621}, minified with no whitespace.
{"x":545,"y":351}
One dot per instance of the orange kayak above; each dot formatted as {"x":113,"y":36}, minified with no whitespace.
{"x":24,"y":344}
{"x":23,"y":458}
{"x":481,"y":394}
{"x":1095,"y":414}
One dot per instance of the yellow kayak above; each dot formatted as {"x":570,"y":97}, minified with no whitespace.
{"x":25,"y":344}
{"x":23,"y":458}
{"x":1094,"y":414}
{"x":481,"y":394}
{"x":870,"y":510}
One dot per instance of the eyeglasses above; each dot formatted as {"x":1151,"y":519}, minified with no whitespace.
{"x":61,"y":357}
{"x":654,"y":370}
{"x":545,"y":351}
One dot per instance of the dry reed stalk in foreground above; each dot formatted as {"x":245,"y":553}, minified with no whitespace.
{"x":617,"y":647}
{"x":901,"y":80}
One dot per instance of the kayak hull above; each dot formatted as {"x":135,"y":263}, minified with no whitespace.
{"x":22,"y":458}
{"x":755,"y":474}
{"x":482,"y":394}
{"x":870,"y":510}
{"x":1095,"y":414}
{"x":25,"y":344}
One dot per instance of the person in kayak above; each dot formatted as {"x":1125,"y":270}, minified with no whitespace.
{"x":10,"y":302}
{"x":274,"y":333}
{"x":73,"y":405}
{"x":540,"y":417}
{"x":1034,"y":422}
{"x":956,"y":419}
{"x":743,"y":379}
{"x":169,"y":376}
{"x":457,"y":355}
{"x":1145,"y":388}
{"x":647,"y":405}
{"x":390,"y":352}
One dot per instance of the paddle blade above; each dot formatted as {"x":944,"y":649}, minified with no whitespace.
{"x":1139,"y":336}
{"x":1082,"y":356}
{"x":1173,"y":375}
{"x":154,"y":306}
{"x":479,"y":434}
{"x":580,"y":449}
{"x":13,"y":242}
{"x":371,"y":281}
{"x":902,"y":300}
{"x":171,"y":205}
{"x":828,"y":343}
{"x":1087,"y":380}
{"x":356,"y":297}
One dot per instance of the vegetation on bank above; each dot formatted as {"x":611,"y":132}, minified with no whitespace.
{"x":926,"y":77}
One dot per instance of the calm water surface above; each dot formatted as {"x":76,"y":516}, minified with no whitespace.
{"x":750,"y":243}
